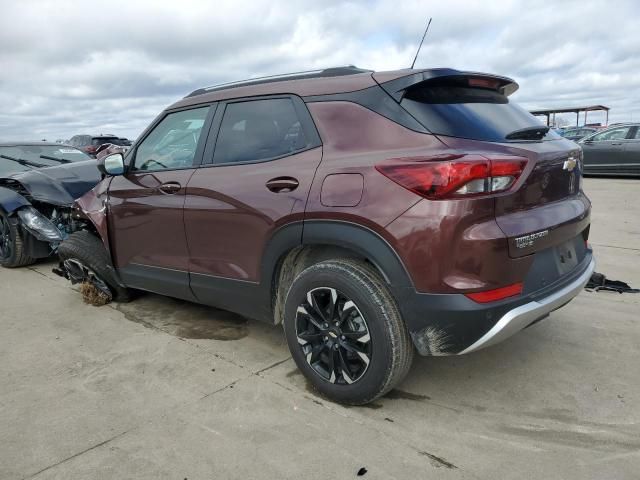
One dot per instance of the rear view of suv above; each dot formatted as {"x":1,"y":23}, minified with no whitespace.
{"x":371,"y":213}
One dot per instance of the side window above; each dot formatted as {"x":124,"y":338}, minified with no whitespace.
{"x":259,"y":130}
{"x":172,"y":143}
{"x":614,"y":134}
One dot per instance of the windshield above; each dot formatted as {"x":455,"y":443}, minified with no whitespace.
{"x":53,"y":155}
{"x":468,"y":112}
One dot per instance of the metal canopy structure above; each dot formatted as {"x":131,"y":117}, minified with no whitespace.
{"x":551,"y":113}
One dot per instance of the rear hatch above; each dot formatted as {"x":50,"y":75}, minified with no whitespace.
{"x":472,"y":114}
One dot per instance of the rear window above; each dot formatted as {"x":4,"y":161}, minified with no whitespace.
{"x":100,"y":140}
{"x":468,"y":112}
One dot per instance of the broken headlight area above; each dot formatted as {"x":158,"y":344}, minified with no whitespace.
{"x":39,"y":226}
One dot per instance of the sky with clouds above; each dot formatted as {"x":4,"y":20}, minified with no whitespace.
{"x":71,"y":67}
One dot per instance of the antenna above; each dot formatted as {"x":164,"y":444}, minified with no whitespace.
{"x":421,"y":42}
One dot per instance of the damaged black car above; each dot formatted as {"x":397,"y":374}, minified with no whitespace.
{"x":38,"y":183}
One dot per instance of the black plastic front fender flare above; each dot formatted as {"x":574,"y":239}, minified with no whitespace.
{"x":10,"y":201}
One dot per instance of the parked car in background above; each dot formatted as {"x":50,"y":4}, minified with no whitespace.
{"x":90,"y":143}
{"x":576,"y":134}
{"x":370,"y":213}
{"x":109,"y":148}
{"x":613,"y":151}
{"x":38,"y":184}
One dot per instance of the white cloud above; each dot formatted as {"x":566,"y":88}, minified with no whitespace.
{"x":72,"y":67}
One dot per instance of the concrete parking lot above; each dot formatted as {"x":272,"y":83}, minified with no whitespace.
{"x":159,"y":388}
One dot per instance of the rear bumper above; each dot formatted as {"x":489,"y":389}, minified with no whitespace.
{"x":524,"y":315}
{"x":451,"y":324}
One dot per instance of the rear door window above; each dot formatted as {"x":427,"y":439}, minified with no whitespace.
{"x":259,"y":130}
{"x":458,"y":110}
{"x":613,"y":134}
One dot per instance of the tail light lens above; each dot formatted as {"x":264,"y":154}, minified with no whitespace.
{"x":497,"y":294}
{"x":454,"y":175}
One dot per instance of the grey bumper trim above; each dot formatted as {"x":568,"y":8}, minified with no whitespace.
{"x":519,"y":318}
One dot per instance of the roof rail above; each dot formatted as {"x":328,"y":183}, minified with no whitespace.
{"x":327,"y":72}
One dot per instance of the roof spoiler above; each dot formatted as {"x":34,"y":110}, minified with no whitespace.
{"x":397,"y":87}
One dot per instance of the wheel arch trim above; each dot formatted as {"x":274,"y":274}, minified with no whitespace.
{"x":10,"y":200}
{"x":337,"y":233}
{"x":363,"y":241}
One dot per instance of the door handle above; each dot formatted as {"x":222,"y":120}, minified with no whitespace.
{"x":619,"y":143}
{"x":170,"y":188}
{"x":282,"y":184}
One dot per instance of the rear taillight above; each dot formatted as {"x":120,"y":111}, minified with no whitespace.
{"x":496,"y":294}
{"x":90,"y":149}
{"x":455,"y":176}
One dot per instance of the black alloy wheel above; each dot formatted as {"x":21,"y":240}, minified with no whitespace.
{"x":345,"y":332}
{"x":334,"y":336}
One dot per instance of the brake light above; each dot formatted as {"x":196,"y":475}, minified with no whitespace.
{"x":496,"y":294}
{"x":455,"y":176}
{"x":484,"y":83}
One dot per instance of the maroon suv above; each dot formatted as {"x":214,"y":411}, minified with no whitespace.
{"x":369,"y":213}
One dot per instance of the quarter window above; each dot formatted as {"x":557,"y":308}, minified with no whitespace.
{"x":172,"y":143}
{"x":259,"y":130}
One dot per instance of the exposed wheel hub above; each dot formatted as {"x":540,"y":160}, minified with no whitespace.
{"x":78,"y":272}
{"x":333,"y":336}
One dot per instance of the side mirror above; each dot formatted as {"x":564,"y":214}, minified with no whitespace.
{"x":111,"y":164}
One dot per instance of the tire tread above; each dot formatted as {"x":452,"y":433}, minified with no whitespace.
{"x":19,"y":257}
{"x":401,"y":345}
{"x":85,"y":246}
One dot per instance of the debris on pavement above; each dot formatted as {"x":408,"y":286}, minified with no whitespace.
{"x":599,"y":282}
{"x":93,"y":295}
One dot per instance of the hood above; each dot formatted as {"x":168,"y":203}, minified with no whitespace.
{"x":58,"y":185}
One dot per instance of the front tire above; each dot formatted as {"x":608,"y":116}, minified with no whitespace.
{"x":12,"y":253}
{"x":85,"y":259}
{"x":345,"y":332}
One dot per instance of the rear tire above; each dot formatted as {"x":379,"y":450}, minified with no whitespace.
{"x":12,"y":244}
{"x":345,"y":332}
{"x":83,"y":249}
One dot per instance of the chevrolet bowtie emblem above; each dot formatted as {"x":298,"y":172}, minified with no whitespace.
{"x":569,"y":164}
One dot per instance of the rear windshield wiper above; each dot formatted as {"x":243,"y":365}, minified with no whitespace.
{"x":21,"y":161}
{"x":529,"y":133}
{"x":61,"y":160}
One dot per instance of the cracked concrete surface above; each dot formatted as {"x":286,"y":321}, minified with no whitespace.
{"x":159,"y":388}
